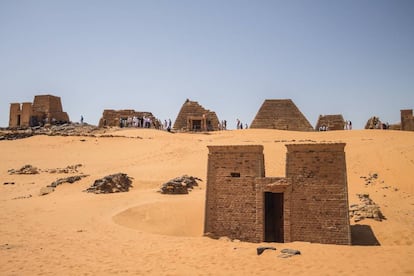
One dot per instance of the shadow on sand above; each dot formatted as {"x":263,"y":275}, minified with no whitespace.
{"x":363,"y":235}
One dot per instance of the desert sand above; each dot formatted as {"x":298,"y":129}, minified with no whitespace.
{"x":143,"y":232}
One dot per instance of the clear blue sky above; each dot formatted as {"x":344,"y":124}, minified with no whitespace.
{"x":351,"y":57}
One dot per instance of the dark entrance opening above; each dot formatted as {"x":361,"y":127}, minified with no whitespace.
{"x":18,"y":120}
{"x":196,"y":125}
{"x":273,"y":219}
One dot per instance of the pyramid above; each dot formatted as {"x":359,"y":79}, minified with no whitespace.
{"x":194,"y":117}
{"x":332,"y":122}
{"x":281,"y":114}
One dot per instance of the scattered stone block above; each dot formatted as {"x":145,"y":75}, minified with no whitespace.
{"x":367,"y":208}
{"x":70,"y":179}
{"x":26,"y":169}
{"x":113,"y":183}
{"x":68,"y":169}
{"x":179,"y":185}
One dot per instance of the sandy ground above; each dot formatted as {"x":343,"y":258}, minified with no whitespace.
{"x":70,"y":232}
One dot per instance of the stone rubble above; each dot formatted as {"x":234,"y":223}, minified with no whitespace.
{"x":26,"y":169}
{"x":179,"y":185}
{"x":367,"y":208}
{"x":30,"y":169}
{"x":68,"y":169}
{"x":370,"y":179}
{"x":373,"y":123}
{"x":287,"y":253}
{"x":113,"y":183}
{"x":70,"y":179}
{"x":68,"y":129}
{"x":51,"y":188}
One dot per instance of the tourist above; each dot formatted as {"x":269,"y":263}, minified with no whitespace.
{"x":81,"y":120}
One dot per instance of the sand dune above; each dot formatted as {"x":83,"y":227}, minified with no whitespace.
{"x":70,"y":232}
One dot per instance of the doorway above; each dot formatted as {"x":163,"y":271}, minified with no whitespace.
{"x":196,"y":125}
{"x":273,"y":217}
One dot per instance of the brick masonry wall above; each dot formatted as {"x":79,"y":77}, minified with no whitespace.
{"x":111,"y":117}
{"x":44,"y":106}
{"x":407,"y":120}
{"x":319,"y":197}
{"x":14,"y":112}
{"x":280,"y":114}
{"x":23,"y":110}
{"x":231,"y":191}
{"x":194,"y":109}
{"x":51,"y":106}
{"x":333,"y":122}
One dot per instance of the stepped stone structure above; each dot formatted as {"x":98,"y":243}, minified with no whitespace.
{"x":112,"y":117}
{"x":281,"y":114}
{"x":44,"y":109}
{"x":407,"y":120}
{"x":309,"y":204}
{"x":332,"y":122}
{"x":194,"y":117}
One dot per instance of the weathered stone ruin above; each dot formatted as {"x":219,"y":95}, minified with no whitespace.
{"x":113,"y":183}
{"x":70,"y":129}
{"x":194,"y":117}
{"x":367,"y":208}
{"x":67,"y":169}
{"x":15,"y":135}
{"x":124,"y":118}
{"x":51,"y":188}
{"x":330,"y":122}
{"x":29,"y":169}
{"x":45,"y":109}
{"x":180,"y":185}
{"x":281,"y":114}
{"x":69,"y":179}
{"x":26,"y":169}
{"x":407,"y":120}
{"x":373,"y":123}
{"x":309,"y":204}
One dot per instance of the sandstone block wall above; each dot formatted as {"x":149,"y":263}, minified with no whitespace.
{"x":231,"y":196}
{"x":44,"y":108}
{"x":319,"y":198}
{"x":280,"y":114}
{"x":50,"y":107}
{"x":20,"y":114}
{"x":192,"y":111}
{"x":407,"y":120}
{"x":112,"y":117}
{"x":332,"y":122}
{"x":309,"y":204}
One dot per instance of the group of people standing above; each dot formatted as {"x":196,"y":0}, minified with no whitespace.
{"x":222,"y":125}
{"x":144,"y":122}
{"x":348,"y":125}
{"x":240,"y":124}
{"x":148,"y":122}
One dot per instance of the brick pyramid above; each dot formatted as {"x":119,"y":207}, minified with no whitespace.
{"x":333,"y":122}
{"x":191,"y":109}
{"x":280,"y":114}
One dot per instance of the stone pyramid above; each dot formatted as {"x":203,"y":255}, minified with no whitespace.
{"x":193,"y":110}
{"x":281,"y":114}
{"x":332,"y":122}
